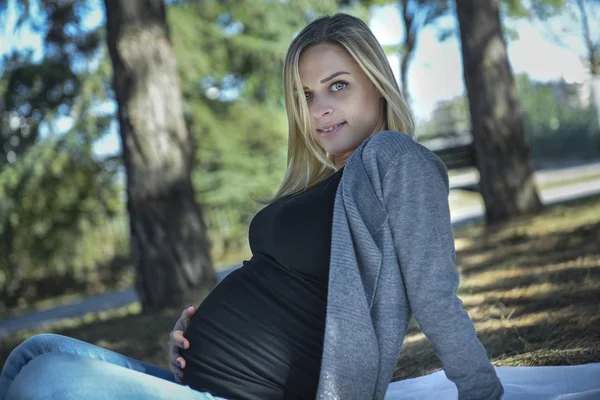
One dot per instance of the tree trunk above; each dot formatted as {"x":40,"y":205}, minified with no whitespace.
{"x":408,"y":48}
{"x":503,"y":155}
{"x":593,"y":57}
{"x":169,"y":244}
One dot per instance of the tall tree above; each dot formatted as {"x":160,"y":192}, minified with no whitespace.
{"x":416,"y":14}
{"x":231,"y":85}
{"x":575,"y":21}
{"x":169,"y":243}
{"x":592,"y":43}
{"x":504,"y":159}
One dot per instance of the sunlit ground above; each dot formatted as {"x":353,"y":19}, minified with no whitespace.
{"x":531,"y":287}
{"x":466,"y":198}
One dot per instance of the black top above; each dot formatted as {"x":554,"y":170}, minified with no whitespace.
{"x":259,"y":334}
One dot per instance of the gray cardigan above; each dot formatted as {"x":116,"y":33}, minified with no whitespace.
{"x":392,"y":256}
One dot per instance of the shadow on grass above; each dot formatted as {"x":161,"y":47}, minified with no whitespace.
{"x":143,"y":336}
{"x":32,"y":292}
{"x":535,"y":250}
{"x":552,"y":337}
{"x":535,"y":276}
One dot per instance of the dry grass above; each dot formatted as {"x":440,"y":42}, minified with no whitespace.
{"x":532,"y":289}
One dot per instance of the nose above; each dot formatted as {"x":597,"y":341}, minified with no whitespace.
{"x":320,"y":109}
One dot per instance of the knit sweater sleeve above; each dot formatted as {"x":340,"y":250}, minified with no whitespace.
{"x":415,"y":194}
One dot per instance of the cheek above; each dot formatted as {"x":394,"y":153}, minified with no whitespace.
{"x":375,"y":106}
{"x":367,"y":102}
{"x":367,"y":111}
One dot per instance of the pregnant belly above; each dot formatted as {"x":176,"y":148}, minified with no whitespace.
{"x":258,"y":335}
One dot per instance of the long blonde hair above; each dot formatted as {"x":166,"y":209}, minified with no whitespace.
{"x":307,"y":162}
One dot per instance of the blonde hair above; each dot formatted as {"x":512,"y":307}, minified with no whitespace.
{"x":307,"y":163}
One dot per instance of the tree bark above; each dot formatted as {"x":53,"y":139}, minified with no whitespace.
{"x":169,"y":244}
{"x":409,"y":46}
{"x":504,"y":160}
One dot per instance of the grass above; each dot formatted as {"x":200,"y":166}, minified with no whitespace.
{"x":530,"y":286}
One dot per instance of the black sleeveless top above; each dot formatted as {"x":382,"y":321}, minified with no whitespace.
{"x":259,"y":334}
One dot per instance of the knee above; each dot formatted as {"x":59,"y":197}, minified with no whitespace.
{"x":35,"y":346}
{"x":46,"y":376}
{"x":22,"y":355}
{"x":42,"y":343}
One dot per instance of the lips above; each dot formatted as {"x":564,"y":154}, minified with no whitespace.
{"x":330,"y":129}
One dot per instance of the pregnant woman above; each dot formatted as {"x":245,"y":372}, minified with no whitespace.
{"x":356,"y":240}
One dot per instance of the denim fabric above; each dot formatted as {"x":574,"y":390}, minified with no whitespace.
{"x":52,"y":366}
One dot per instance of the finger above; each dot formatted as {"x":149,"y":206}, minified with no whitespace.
{"x":174,"y":354}
{"x":184,"y":320}
{"x":188,"y":312}
{"x":177,"y":373}
{"x":176,"y":360}
{"x":177,"y":339}
{"x":174,"y":335}
{"x":175,"y":370}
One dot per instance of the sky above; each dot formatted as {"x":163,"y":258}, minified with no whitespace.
{"x":436,"y":70}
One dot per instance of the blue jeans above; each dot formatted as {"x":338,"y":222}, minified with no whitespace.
{"x":52,"y":366}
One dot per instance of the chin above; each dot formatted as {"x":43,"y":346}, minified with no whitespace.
{"x":337,"y":152}
{"x":341,"y":150}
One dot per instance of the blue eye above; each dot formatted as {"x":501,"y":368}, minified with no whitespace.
{"x":335,"y":87}
{"x":339,"y":85}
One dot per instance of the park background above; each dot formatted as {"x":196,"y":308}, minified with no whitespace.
{"x":530,"y":281}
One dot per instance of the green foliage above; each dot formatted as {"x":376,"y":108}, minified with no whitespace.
{"x":52,"y":187}
{"x":238,"y":46}
{"x":449,"y":117}
{"x":231,"y":82}
{"x":230,"y":58}
{"x":46,"y":198}
{"x":35,"y":93}
{"x":557,"y":124}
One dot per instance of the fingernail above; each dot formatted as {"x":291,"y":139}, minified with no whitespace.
{"x":178,"y":377}
{"x":183,"y":344}
{"x":179,"y":363}
{"x":189,"y":305}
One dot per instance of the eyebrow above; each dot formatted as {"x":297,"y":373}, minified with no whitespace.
{"x":330,"y":77}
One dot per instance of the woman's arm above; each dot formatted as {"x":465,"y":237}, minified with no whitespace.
{"x":416,"y":198}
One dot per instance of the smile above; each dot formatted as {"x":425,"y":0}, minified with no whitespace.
{"x":331,"y":130}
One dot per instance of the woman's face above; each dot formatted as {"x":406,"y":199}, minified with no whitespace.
{"x":345,"y":107}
